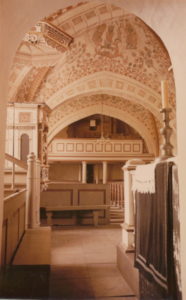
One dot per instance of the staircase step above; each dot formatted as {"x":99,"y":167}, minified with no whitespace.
{"x":116,"y":215}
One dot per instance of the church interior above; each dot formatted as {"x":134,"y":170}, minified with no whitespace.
{"x":92,"y":153}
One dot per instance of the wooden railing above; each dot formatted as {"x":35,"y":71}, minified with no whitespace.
{"x":22,"y":164}
{"x":117,"y":193}
{"x":15,"y":175}
{"x":62,"y":149}
{"x":13,"y":224}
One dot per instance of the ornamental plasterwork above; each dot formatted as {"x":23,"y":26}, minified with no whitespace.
{"x":55,"y":37}
{"x":17,"y":74}
{"x":106,"y":39}
{"x":109,"y":83}
{"x":61,"y":12}
{"x":25,"y":86}
{"x":74,"y":105}
{"x":115,"y":85}
{"x":30,"y":85}
{"x":112,"y":40}
{"x":124,"y":46}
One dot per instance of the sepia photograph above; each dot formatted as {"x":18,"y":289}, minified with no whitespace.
{"x":93,"y":149}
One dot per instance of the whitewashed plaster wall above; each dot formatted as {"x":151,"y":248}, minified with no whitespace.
{"x":21,"y":119}
{"x":166,"y":17}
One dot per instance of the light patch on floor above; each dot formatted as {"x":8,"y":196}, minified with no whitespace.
{"x":83,"y":264}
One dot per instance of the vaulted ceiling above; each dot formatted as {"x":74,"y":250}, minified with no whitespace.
{"x":113,"y":56}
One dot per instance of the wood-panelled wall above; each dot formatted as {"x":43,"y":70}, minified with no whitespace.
{"x":13,"y":224}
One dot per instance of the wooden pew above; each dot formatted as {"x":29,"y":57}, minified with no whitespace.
{"x":94,"y":208}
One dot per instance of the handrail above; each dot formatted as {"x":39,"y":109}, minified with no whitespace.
{"x":8,"y":207}
{"x":16,"y":161}
{"x":14,"y":194}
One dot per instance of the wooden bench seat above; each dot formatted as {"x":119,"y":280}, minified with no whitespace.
{"x":94,"y":208}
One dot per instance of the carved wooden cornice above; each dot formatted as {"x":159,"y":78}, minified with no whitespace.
{"x":55,"y":37}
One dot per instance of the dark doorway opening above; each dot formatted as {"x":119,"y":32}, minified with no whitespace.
{"x":90,"y":173}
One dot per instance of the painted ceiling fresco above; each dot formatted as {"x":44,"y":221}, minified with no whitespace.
{"x":105,"y":39}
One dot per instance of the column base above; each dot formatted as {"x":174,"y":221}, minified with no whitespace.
{"x":128,"y":237}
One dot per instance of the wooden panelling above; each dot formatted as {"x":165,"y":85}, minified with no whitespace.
{"x":80,"y":147}
{"x":13,"y":224}
{"x":91,"y":197}
{"x":57,"y":197}
{"x":79,"y":195}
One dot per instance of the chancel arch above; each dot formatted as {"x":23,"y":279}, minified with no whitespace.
{"x":160,"y":29}
{"x":131,"y":68}
{"x":112,"y":84}
{"x":134,"y":115}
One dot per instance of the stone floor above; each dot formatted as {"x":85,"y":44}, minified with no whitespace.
{"x":83,"y":264}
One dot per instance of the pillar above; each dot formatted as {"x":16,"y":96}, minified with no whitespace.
{"x":80,"y":173}
{"x":96,"y":173}
{"x":33,"y":192}
{"x":30,"y":189}
{"x":37,"y":192}
{"x":105,"y":172}
{"x":84,"y":172}
{"x":129,"y":222}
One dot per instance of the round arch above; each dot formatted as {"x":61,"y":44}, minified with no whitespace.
{"x":111,"y":84}
{"x":151,"y":143}
{"x":167,"y":18}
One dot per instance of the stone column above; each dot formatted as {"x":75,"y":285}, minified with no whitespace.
{"x":128,"y":226}
{"x":105,"y":172}
{"x":84,"y":172}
